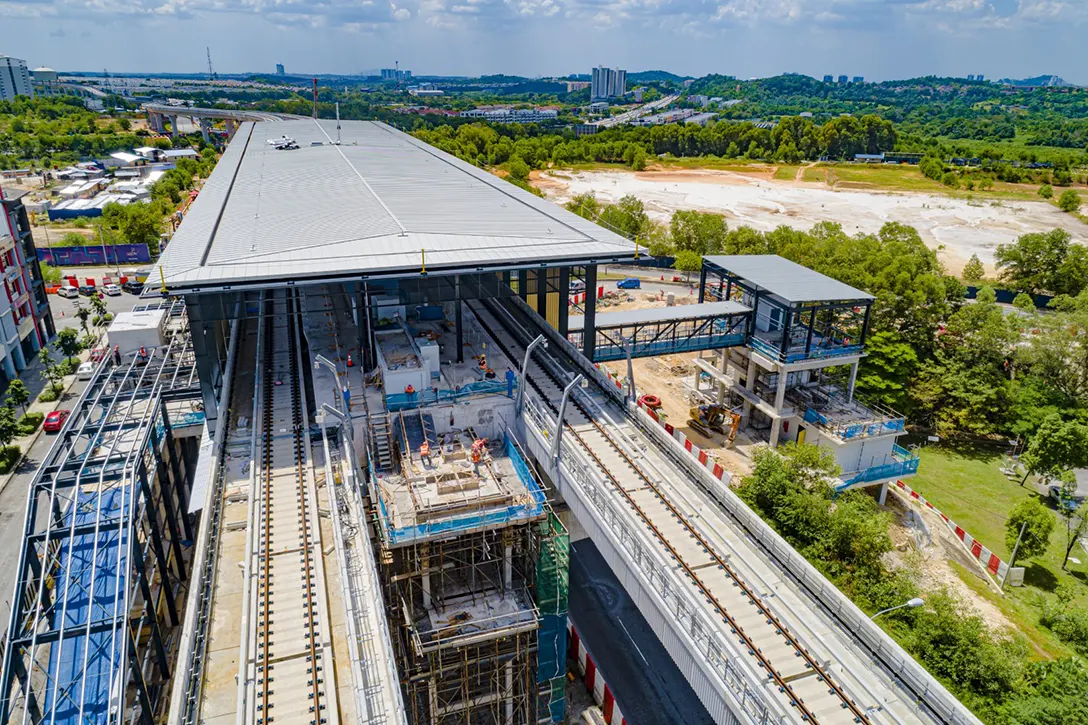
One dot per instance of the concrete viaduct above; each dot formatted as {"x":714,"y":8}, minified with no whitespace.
{"x":158,"y":113}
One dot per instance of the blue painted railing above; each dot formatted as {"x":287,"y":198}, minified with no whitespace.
{"x":404,"y":401}
{"x":770,"y":350}
{"x":850,"y":431}
{"x":904,"y":463}
{"x":493,"y":517}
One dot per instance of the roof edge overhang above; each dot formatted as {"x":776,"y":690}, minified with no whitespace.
{"x":274,"y":281}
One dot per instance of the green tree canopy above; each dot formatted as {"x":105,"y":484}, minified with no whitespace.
{"x":1057,"y":446}
{"x":973,"y":271}
{"x":1038,"y":523}
{"x":698,"y":231}
{"x":1069,"y":201}
{"x":18,"y":395}
{"x":67,"y":343}
{"x":1040,"y":262}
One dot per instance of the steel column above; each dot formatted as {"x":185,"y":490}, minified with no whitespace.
{"x":146,"y":714}
{"x":702,"y":284}
{"x":523,"y":283}
{"x":564,"y":299}
{"x":589,"y":321}
{"x":542,"y":292}
{"x":156,"y":540}
{"x":457,"y":319}
{"x":156,"y":634}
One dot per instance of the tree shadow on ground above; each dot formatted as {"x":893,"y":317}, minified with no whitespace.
{"x":985,"y":452}
{"x":1080,"y":576}
{"x":1040,"y":577}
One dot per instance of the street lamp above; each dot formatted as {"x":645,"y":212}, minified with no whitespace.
{"x":321,"y":360}
{"x":562,"y":413}
{"x":912,"y":604}
{"x":525,"y":366}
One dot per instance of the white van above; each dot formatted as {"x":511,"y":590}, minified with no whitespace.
{"x":68,"y":291}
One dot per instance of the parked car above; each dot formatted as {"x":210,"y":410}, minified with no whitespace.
{"x":1070,"y":501}
{"x":85,"y":371}
{"x":111,"y":289}
{"x":55,"y":420}
{"x":87,"y":290}
{"x":133,"y":287}
{"x":68,"y":291}
{"x":629,"y":283}
{"x":576,"y":286}
{"x":97,"y":354}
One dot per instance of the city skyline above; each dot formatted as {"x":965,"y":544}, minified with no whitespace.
{"x":999,"y":38}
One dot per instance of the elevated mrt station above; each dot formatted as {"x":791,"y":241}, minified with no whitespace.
{"x":406,"y":425}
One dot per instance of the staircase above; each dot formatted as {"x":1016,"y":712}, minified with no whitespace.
{"x":382,"y":434}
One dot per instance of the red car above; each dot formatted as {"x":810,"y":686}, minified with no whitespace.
{"x":55,"y":420}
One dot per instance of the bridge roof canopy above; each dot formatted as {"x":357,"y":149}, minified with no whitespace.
{"x":625,"y":318}
{"x":379,"y":203}
{"x":786,"y":279}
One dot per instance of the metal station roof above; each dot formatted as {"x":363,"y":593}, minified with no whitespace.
{"x":380,"y":202}
{"x":623,"y":318}
{"x":791,"y":281}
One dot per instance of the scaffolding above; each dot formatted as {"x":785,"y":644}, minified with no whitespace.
{"x":106,"y":547}
{"x":476,"y":596}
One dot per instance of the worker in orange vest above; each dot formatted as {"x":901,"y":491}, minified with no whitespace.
{"x":409,"y":390}
{"x":425,"y":454}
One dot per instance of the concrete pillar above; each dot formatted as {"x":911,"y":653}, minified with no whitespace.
{"x":232,"y":126}
{"x":780,"y":393}
{"x":723,"y":368}
{"x":174,"y":127}
{"x":776,"y":428}
{"x":883,"y":493}
{"x":17,"y":357}
{"x":9,"y":368}
{"x":457,"y":322}
{"x":205,"y":130}
{"x":750,"y":385}
{"x":853,"y":381}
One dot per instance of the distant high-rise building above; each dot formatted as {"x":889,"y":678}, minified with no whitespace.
{"x":829,"y":78}
{"x":279,"y":70}
{"x":396,"y":74}
{"x":859,"y":79}
{"x":970,"y":77}
{"x":843,"y":80}
{"x":607,"y":83}
{"x":14,"y":79}
{"x":980,"y":77}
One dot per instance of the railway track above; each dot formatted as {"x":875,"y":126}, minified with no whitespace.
{"x":798,"y":677}
{"x":290,"y":662}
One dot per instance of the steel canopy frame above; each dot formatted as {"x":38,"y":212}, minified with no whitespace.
{"x":94,"y":571}
{"x":662,"y":337}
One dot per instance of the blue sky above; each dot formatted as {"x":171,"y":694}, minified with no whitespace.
{"x":879,"y":39}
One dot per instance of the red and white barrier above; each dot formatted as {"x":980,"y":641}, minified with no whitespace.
{"x":989,"y":560}
{"x":702,"y":456}
{"x":593,"y":678}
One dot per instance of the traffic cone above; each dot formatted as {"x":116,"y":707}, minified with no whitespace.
{"x":350,"y":362}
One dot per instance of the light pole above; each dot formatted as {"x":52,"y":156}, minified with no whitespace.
{"x":562,"y":412}
{"x":912,"y":604}
{"x":321,"y":360}
{"x":524,"y":367}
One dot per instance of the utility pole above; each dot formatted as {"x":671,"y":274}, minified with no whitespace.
{"x":1012,"y":560}
{"x":315,"y":99}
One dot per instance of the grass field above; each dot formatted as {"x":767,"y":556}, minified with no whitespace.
{"x":816,"y":173}
{"x":786,"y":173}
{"x":969,"y":487}
{"x":910,"y":178}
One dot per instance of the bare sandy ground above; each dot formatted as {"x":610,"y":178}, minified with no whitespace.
{"x":957,"y":228}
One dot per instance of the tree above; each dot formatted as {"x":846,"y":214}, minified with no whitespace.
{"x":51,"y":274}
{"x":697,"y":231}
{"x":68,"y":343}
{"x":18,"y":394}
{"x":1038,"y":523}
{"x":84,"y":314}
{"x":98,"y":304}
{"x":1046,"y":191}
{"x":887,"y":369}
{"x":1075,"y":514}
{"x":973,"y":271}
{"x":1024,"y":302}
{"x":687,"y":261}
{"x":50,"y":372}
{"x":9,"y":427}
{"x":1069,"y":201}
{"x":1058,"y":446}
{"x":1035,"y":262}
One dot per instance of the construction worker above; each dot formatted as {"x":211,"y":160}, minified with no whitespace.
{"x":477,"y":454}
{"x":410,"y":392}
{"x":425,"y":454}
{"x":510,"y":378}
{"x":489,"y":374}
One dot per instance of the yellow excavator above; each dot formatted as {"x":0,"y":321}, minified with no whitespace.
{"x":711,"y":418}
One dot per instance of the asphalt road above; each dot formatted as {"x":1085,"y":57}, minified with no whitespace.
{"x":13,"y":509}
{"x":648,"y":686}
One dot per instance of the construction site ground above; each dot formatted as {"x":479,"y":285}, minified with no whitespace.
{"x":671,"y":379}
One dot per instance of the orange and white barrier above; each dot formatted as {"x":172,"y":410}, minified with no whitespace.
{"x":700,"y":455}
{"x":593,"y":678}
{"x":989,"y":560}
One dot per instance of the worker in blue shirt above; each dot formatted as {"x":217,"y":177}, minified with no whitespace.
{"x":510,"y":378}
